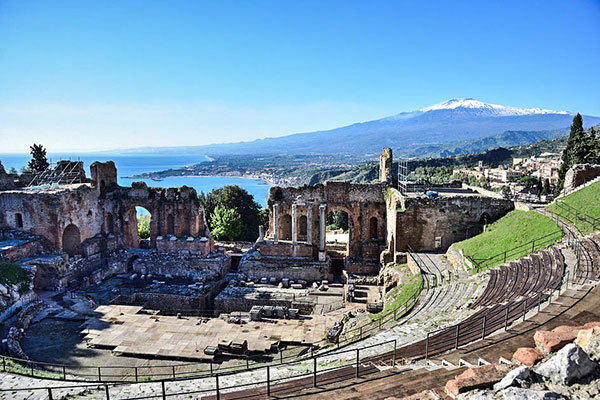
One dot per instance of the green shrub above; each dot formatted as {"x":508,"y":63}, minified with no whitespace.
{"x":144,"y":227}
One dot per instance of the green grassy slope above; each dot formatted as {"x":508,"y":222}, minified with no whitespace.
{"x":410,"y":286}
{"x":582,"y":208}
{"x":512,"y":234}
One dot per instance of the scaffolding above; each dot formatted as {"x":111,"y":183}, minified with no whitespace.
{"x":403,"y":177}
{"x":66,"y":172}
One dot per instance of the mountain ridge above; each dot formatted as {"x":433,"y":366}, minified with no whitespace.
{"x":459,"y":119}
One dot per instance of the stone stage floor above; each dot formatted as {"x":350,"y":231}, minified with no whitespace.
{"x":127,"y":331}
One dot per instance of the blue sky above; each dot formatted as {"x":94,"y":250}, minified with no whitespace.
{"x":84,"y":75}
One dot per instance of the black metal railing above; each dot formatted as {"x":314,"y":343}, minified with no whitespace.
{"x":579,"y":219}
{"x":542,"y":242}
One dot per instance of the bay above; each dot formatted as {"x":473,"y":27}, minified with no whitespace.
{"x":128,"y":165}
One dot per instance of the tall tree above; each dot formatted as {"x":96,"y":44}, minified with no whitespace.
{"x":575,"y":151}
{"x":39,"y":161}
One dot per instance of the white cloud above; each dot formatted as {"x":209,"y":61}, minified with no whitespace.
{"x":68,"y":127}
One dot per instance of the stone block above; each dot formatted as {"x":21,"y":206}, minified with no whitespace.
{"x":548,"y":341}
{"x":476,"y":378}
{"x":527,"y":355}
{"x":513,"y":393}
{"x":589,"y":341}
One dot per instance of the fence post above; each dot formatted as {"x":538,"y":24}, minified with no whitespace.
{"x":524,"y":309}
{"x":483,"y":329}
{"x":394,"y":354}
{"x":268,"y":381}
{"x":64,"y":373}
{"x":3,"y":364}
{"x":457,"y":335}
{"x":506,"y":317}
{"x":357,"y":362}
{"x":427,"y":346}
{"x":315,"y":372}
{"x":49,"y":393}
{"x":211,"y":368}
{"x":532,"y":246}
{"x":106,"y":392}
{"x":99,"y":375}
{"x":280,"y":356}
{"x":217,"y":387}
{"x":164,"y":392}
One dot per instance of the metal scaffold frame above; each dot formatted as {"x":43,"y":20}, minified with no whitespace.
{"x":403,"y":176}
{"x":66,"y":176}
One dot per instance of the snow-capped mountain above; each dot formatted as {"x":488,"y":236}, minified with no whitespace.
{"x":488,"y":109}
{"x":438,"y":126}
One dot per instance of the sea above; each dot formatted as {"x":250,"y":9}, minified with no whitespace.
{"x":128,"y":165}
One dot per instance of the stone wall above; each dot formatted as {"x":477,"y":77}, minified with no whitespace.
{"x":433,"y":224}
{"x":364,"y":204}
{"x":579,"y":174}
{"x":104,"y":214}
{"x":180,"y":263}
{"x":256,"y":266}
{"x":172,"y":243}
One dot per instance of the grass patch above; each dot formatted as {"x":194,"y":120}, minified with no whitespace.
{"x":580,"y":205}
{"x":410,"y":286}
{"x":512,"y":234}
{"x":12,"y":274}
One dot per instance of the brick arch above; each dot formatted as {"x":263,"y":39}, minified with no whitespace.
{"x":71,"y":240}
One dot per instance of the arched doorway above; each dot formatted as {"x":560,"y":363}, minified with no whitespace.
{"x":71,"y":240}
{"x":143,"y":219}
{"x":286,"y":227}
{"x":337,"y":237}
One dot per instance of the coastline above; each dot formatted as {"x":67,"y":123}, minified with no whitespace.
{"x":265,"y":180}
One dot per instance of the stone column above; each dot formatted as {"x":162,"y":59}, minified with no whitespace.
{"x":322,"y":226}
{"x":294,"y":224}
{"x":275,"y":223}
{"x":309,"y":223}
{"x":261,"y":233}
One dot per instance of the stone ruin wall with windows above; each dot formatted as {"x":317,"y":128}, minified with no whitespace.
{"x":298,"y":221}
{"x":88,"y":230}
{"x":100,"y":215}
{"x":383,"y":223}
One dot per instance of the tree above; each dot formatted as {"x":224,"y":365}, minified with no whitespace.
{"x":580,"y":149}
{"x":337,"y":219}
{"x":226,"y":224}
{"x":546,"y":188}
{"x":38,"y":162}
{"x":235,"y":198}
{"x":13,"y":171}
{"x":144,"y":227}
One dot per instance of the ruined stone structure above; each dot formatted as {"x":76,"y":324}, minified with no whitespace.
{"x":383,"y":223}
{"x":99,"y":215}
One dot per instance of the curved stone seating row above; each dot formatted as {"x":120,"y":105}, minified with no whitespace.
{"x":523,"y":277}
{"x":589,"y":268}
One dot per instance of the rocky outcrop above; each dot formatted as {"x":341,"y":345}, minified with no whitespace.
{"x":570,"y":364}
